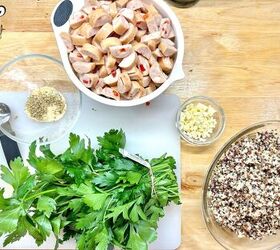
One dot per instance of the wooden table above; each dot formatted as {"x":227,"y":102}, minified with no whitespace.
{"x":232,"y":54}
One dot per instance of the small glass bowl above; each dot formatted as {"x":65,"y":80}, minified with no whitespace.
{"x":22,"y":75}
{"x":219,"y":116}
{"x":226,"y":238}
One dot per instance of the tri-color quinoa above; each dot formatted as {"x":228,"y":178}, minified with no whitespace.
{"x":244,"y":192}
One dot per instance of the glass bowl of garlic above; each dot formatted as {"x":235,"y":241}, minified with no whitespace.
{"x":200,"y":121}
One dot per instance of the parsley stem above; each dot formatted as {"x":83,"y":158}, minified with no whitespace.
{"x":39,"y":194}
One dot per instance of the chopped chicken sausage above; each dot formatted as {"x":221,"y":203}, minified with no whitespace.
{"x":124,"y":83}
{"x":92,"y":51}
{"x":157,"y":75}
{"x":99,"y":17}
{"x":104,"y":32}
{"x":121,"y":49}
{"x":120,"y":25}
{"x":110,"y":42}
{"x":87,"y":31}
{"x":89,"y":80}
{"x":83,"y":67}
{"x":78,"y":19}
{"x":143,"y":65}
{"x":129,"y":61}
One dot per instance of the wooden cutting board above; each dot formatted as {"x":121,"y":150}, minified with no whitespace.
{"x":150,"y":131}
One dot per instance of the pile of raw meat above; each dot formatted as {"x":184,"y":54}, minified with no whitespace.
{"x":120,"y":49}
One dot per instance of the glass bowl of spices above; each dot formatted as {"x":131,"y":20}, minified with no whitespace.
{"x":44,"y":103}
{"x":200,"y":121}
{"x":241,"y":195}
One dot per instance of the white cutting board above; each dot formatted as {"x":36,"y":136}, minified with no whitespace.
{"x":150,"y":132}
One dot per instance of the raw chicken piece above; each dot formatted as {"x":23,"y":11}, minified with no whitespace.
{"x":99,"y":17}
{"x":121,"y":51}
{"x":67,"y":41}
{"x":156,"y":74}
{"x":83,"y":67}
{"x":92,"y":51}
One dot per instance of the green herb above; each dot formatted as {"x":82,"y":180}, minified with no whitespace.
{"x":93,"y":195}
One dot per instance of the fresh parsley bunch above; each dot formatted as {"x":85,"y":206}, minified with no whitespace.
{"x":96,"y":196}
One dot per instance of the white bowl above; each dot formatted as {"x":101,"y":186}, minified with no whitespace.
{"x":176,"y":74}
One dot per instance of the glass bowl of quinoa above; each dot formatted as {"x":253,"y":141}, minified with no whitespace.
{"x":44,"y":103}
{"x":200,"y":121}
{"x":241,"y":195}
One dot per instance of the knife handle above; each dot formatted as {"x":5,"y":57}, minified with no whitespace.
{"x":10,"y":148}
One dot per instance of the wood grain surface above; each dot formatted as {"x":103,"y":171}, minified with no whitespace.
{"x":232,"y":54}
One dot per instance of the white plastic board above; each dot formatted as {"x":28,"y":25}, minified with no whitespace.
{"x":150,"y":132}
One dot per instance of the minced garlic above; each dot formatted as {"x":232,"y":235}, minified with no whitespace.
{"x":45,"y":104}
{"x":198,"y":121}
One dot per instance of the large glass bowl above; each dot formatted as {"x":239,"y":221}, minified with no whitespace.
{"x":226,"y":238}
{"x":18,"y":78}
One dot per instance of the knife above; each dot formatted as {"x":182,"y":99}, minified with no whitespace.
{"x":10,"y":148}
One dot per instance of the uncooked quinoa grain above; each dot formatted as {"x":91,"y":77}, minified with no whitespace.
{"x":244,"y":192}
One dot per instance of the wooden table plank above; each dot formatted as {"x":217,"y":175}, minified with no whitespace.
{"x":232,"y":54}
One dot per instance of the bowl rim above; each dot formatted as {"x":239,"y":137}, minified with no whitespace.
{"x":212,"y":166}
{"x":176,"y":74}
{"x":54,"y":60}
{"x":218,"y":108}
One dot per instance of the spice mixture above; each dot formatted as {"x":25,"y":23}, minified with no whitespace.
{"x":197,"y":121}
{"x":244,"y":192}
{"x":45,"y":104}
